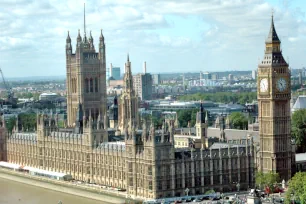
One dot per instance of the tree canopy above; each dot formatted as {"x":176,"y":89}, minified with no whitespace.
{"x":298,"y":123}
{"x":222,"y":97}
{"x":297,"y":188}
{"x":184,"y":116}
{"x":263,"y":180}
{"x":238,"y":120}
{"x":28,"y":121}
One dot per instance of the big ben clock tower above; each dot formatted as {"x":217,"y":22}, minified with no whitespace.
{"x":274,"y":92}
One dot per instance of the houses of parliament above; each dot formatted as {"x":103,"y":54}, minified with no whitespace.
{"x":146,"y":162}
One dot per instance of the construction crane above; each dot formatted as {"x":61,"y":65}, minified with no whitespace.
{"x":10,"y":93}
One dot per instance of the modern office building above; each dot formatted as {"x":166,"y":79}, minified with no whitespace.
{"x":254,"y":74}
{"x":115,"y":73}
{"x":207,"y":75}
{"x":156,"y":79}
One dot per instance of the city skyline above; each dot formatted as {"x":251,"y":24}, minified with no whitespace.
{"x":169,"y":36}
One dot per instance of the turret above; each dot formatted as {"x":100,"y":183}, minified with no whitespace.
{"x":227,"y":122}
{"x":177,"y":123}
{"x":79,"y":120}
{"x":128,"y":78}
{"x":79,"y":39}
{"x":91,"y":41}
{"x":152,"y":134}
{"x":101,"y":39}
{"x":105,"y":121}
{"x":144,"y":131}
{"x":217,"y":122}
{"x":68,"y":45}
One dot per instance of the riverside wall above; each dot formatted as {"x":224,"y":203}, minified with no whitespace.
{"x":66,"y":187}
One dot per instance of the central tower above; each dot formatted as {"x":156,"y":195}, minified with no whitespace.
{"x":274,"y":92}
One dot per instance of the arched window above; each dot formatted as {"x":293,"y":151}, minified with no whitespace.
{"x":73,"y":82}
{"x":75,"y":85}
{"x":86,"y":86}
{"x":91,"y":85}
{"x":96,"y":84}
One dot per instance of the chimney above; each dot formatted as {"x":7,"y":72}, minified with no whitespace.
{"x":144,"y":67}
{"x":111,"y":70}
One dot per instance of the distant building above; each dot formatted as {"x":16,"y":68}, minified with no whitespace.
{"x":300,"y":78}
{"x":143,"y":85}
{"x":48,"y":96}
{"x":215,"y":76}
{"x":156,"y":79}
{"x":230,"y":77}
{"x":300,"y":103}
{"x":115,"y":73}
{"x":207,"y":75}
{"x":254,"y":74}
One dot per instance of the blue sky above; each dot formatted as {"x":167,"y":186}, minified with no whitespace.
{"x":170,"y":35}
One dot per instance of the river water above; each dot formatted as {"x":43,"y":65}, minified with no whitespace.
{"x":12,"y":192}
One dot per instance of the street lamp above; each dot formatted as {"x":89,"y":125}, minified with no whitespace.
{"x":222,"y":197}
{"x":187,"y":191}
{"x":238,"y":186}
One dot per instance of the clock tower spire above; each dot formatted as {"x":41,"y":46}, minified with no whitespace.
{"x":274,"y":93}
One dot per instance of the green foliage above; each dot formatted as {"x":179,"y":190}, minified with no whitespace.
{"x":187,"y":115}
{"x":209,"y":192}
{"x":61,"y":124}
{"x":28,"y":121}
{"x":297,"y":188}
{"x":158,"y":121}
{"x":222,"y":97}
{"x":298,"y":123}
{"x":238,"y":120}
{"x":28,"y":95}
{"x":10,"y":123}
{"x":266,"y":179}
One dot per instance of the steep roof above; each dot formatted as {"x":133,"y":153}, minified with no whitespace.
{"x":300,"y":103}
{"x":272,"y":36}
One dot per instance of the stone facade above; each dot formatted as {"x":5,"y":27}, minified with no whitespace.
{"x":129,"y":102}
{"x":274,"y":93}
{"x":86,"y":84}
{"x":146,"y":163}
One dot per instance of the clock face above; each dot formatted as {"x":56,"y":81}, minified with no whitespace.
{"x":281,"y":84}
{"x":264,"y":85}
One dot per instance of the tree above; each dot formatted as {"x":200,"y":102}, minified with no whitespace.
{"x":185,"y":116}
{"x":297,"y":188}
{"x":222,"y":97}
{"x":259,"y":179}
{"x":10,"y":123}
{"x":28,"y":121}
{"x":238,"y":120}
{"x":299,"y":128}
{"x":264,"y":180}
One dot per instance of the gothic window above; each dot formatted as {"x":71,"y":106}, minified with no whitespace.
{"x":91,"y":85}
{"x":96,"y":84}
{"x":150,"y":170}
{"x":131,"y":181}
{"x":150,"y":185}
{"x":86,"y":86}
{"x":130,"y":167}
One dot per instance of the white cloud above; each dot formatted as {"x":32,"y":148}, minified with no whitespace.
{"x":236,"y":33}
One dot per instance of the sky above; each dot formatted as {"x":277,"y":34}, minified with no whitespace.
{"x":170,"y":35}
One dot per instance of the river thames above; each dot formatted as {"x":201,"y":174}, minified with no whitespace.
{"x":12,"y":192}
